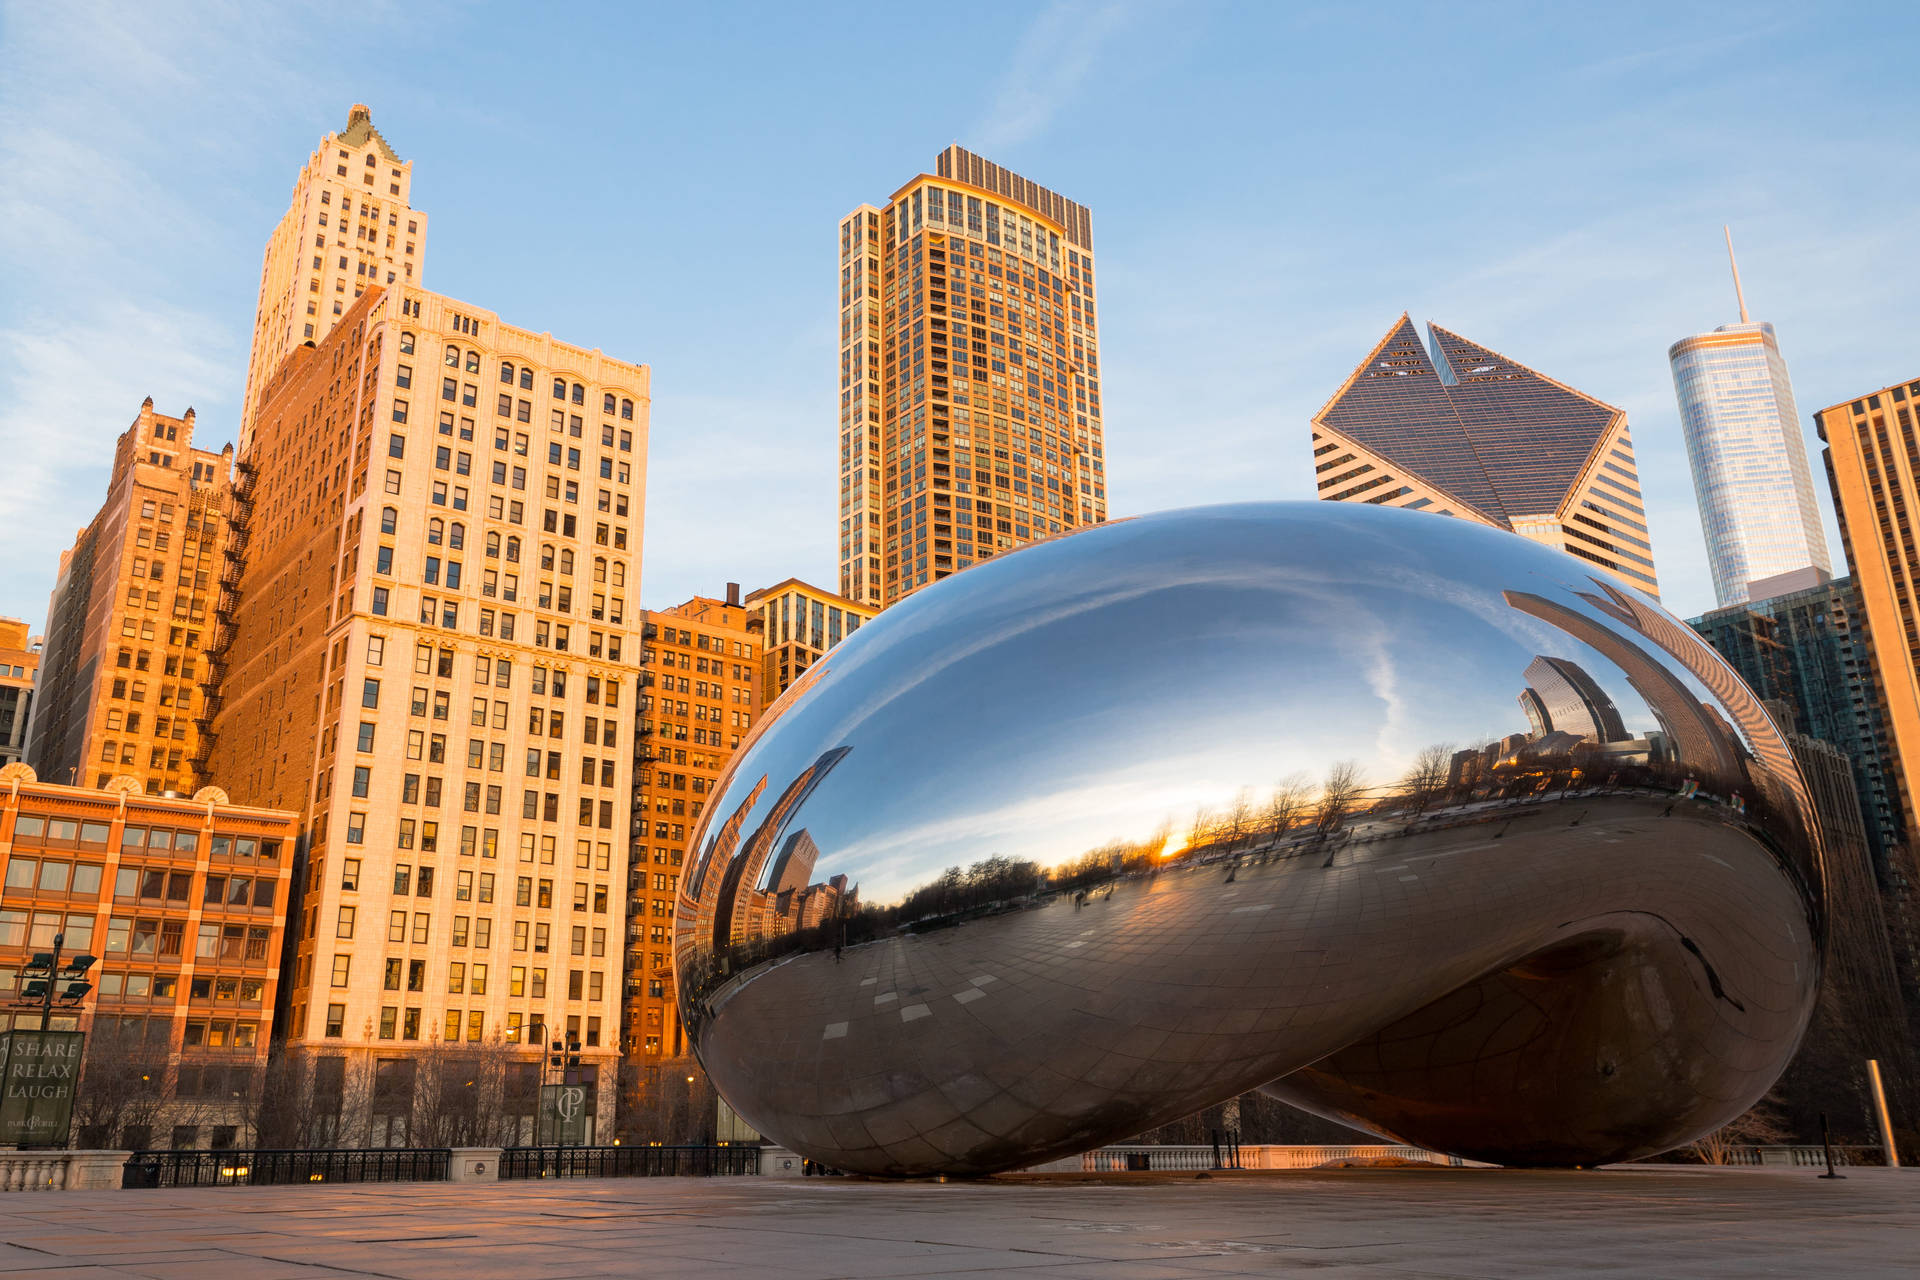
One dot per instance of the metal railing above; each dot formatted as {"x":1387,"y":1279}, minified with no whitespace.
{"x":256,"y":1168}
{"x":1803,"y":1157}
{"x":628,"y":1162}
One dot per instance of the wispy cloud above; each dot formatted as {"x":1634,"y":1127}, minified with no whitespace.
{"x":1048,"y":69}
{"x":65,"y":398}
{"x":96,"y":227}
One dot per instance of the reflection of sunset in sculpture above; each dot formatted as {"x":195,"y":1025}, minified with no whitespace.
{"x":1386,"y":814}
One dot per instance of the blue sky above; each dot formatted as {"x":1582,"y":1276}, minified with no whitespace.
{"x":1271,"y":185}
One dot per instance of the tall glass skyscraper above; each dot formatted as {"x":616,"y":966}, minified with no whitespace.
{"x":1749,"y":460}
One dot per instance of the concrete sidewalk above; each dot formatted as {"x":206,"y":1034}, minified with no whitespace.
{"x":1367,"y":1222}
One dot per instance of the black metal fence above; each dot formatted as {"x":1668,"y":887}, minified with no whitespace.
{"x":628,"y":1162}
{"x":252,"y":1168}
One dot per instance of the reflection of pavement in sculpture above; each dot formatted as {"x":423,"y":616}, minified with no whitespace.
{"x":1012,"y":877}
{"x":1181,"y":989}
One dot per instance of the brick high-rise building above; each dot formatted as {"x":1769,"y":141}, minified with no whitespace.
{"x":130,"y":615}
{"x":19,"y":664}
{"x":801,"y":623}
{"x":348,"y":227}
{"x":1465,"y":431}
{"x":970,"y":416}
{"x":432,"y":654}
{"x":701,"y":695}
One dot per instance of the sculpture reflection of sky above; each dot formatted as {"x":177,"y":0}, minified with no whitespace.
{"x":944,"y":767}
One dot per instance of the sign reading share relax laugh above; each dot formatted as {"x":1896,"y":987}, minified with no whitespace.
{"x":36,"y":1086}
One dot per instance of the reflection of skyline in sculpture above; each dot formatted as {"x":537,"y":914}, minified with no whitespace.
{"x":731,"y":922}
{"x":1566,"y":699}
{"x":1698,"y":742}
{"x":1034,"y":964}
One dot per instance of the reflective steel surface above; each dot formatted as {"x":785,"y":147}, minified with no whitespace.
{"x":1413,"y":822}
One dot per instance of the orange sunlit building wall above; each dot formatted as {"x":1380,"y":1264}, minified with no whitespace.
{"x":130,"y":616}
{"x":700,"y":694}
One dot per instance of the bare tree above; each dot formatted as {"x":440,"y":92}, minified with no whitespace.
{"x":123,"y":1085}
{"x":1237,"y":821}
{"x":458,"y":1087}
{"x":1205,"y":829}
{"x":1339,"y":795}
{"x":1427,"y":779}
{"x":1760,"y":1124}
{"x":1286,"y":806}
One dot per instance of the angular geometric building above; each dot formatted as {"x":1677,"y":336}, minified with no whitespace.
{"x":1749,"y":459}
{"x":1465,"y":431}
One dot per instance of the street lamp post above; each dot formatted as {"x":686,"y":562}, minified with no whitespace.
{"x":44,"y":972}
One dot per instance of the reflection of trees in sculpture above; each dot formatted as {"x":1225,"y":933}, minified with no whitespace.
{"x":1426,"y":780}
{"x":1339,"y":796}
{"x":1285,"y":806}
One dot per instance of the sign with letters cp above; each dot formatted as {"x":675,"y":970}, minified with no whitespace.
{"x":563,"y":1115}
{"x":38,"y":1072}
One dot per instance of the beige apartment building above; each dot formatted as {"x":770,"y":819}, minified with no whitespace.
{"x":19,"y":663}
{"x":348,"y":227}
{"x":1873,"y":464}
{"x":432,"y":655}
{"x":970,"y":417}
{"x":699,"y":697}
{"x":123,"y":662}
{"x":183,"y":904}
{"x":800,"y":622}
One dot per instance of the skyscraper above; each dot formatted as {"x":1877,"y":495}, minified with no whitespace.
{"x":1808,"y":650}
{"x":699,"y":698}
{"x":1873,"y":464}
{"x":970,"y":417}
{"x":348,"y":227}
{"x":121,"y":671}
{"x":1749,"y":460}
{"x":431,"y":655}
{"x":1468,"y":432}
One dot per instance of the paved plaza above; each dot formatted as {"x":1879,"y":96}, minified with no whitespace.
{"x":1344,"y":1223}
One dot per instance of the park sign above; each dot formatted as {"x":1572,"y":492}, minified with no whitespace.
{"x":37,"y":1079}
{"x":563,"y":1115}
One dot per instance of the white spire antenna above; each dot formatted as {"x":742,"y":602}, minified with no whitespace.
{"x":1734,"y":263}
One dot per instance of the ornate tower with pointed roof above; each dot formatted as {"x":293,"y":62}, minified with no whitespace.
{"x":348,"y":226}
{"x":1458,"y":429}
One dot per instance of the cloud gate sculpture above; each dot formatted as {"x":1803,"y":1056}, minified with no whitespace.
{"x":1409,"y":822}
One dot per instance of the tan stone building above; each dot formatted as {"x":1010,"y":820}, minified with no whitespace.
{"x":182,"y":904}
{"x":701,"y":695}
{"x":131,"y":611}
{"x":433,"y":656}
{"x":19,"y":662}
{"x":970,"y":416}
{"x":800,"y":622}
{"x":348,"y":227}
